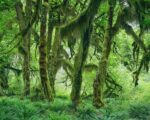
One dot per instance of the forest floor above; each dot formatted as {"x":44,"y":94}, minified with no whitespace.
{"x":133,"y":104}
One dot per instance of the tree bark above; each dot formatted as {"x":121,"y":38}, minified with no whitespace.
{"x":102,"y":70}
{"x":88,"y":15}
{"x":4,"y":78}
{"x":66,"y":30}
{"x":26,"y":44}
{"x":24,"y":19}
{"x":43,"y":54}
{"x":49,"y":51}
{"x":54,"y":57}
{"x":78,"y":67}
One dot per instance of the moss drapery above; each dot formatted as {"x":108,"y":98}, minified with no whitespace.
{"x":77,"y":28}
{"x":78,"y":66}
{"x":102,"y":70}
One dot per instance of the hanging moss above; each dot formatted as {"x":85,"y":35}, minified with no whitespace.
{"x":78,"y":25}
{"x":131,"y":32}
{"x":77,"y":28}
{"x":144,"y":63}
{"x":78,"y":67}
{"x":138,"y":42}
{"x":102,"y":70}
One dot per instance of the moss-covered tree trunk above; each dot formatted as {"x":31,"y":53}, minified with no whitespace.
{"x":4,"y":78}
{"x":26,"y":45}
{"x":102,"y":70}
{"x":26,"y":65}
{"x":83,"y":24}
{"x":54,"y":57}
{"x":79,"y":24}
{"x":49,"y":50}
{"x":88,"y":14}
{"x":78,"y":66}
{"x":43,"y":54}
{"x":24,"y":18}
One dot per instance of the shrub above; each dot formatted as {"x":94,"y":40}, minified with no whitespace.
{"x":140,"y":112}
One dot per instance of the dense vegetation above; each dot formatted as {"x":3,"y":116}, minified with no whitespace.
{"x":74,"y":59}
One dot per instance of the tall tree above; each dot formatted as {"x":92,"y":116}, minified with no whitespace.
{"x":49,"y":40}
{"x":90,"y":13}
{"x":54,"y":57}
{"x":43,"y":53}
{"x":102,"y":70}
{"x":78,"y":27}
{"x":78,"y":66}
{"x":24,"y":19}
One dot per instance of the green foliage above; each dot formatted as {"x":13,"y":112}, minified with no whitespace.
{"x":132,"y":104}
{"x":14,"y":109}
{"x":141,"y":112}
{"x":127,"y":104}
{"x":7,"y":4}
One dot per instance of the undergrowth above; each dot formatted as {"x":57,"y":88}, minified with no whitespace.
{"x":132,"y":104}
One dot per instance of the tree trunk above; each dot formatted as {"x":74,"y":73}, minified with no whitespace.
{"x":78,"y":66}
{"x":74,"y":26}
{"x":102,"y":70}
{"x":49,"y":52}
{"x":54,"y":57}
{"x":24,"y":20}
{"x":4,"y":78}
{"x":26,"y":44}
{"x":26,"y":66}
{"x":43,"y":55}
